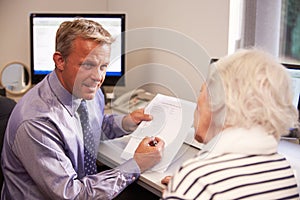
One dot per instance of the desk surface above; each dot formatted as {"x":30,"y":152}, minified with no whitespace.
{"x":110,"y":154}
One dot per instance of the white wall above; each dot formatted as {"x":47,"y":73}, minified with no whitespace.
{"x":203,"y":21}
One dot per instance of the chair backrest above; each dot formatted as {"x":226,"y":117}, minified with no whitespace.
{"x":6,"y":107}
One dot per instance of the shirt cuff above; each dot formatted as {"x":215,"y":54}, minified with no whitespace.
{"x":118,"y":121}
{"x":131,"y":169}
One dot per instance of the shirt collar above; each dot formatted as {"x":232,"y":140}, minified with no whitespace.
{"x":254,"y":141}
{"x":70,"y":102}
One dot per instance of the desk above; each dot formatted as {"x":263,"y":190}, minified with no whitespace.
{"x":110,"y":155}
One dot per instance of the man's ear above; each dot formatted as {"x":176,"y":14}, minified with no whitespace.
{"x":59,"y":60}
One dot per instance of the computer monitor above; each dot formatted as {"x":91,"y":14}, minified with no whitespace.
{"x":294,"y":71}
{"x":43,"y":27}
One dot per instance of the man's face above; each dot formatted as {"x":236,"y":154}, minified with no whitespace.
{"x":83,"y":71}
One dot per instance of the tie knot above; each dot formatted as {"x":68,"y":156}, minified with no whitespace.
{"x":82,"y":109}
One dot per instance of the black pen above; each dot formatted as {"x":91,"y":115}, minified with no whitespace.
{"x":153,"y":143}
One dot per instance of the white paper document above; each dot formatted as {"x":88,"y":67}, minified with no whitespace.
{"x":172,"y":119}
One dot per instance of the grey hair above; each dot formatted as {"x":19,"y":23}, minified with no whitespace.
{"x":250,"y":88}
{"x":68,"y":31}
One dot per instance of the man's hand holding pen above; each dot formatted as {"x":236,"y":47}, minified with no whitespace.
{"x":149,"y":152}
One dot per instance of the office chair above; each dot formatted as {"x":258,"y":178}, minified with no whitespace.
{"x":6,"y":107}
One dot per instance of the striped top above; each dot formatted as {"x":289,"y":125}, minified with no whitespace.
{"x":236,"y":165}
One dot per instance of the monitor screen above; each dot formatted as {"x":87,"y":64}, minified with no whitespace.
{"x":294,"y":71}
{"x":43,"y":27}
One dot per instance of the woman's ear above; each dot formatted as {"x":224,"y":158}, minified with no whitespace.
{"x":202,"y":115}
{"x":203,"y":99}
{"x":59,"y":60}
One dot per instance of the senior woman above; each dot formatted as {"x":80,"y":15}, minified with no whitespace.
{"x":242,"y":111}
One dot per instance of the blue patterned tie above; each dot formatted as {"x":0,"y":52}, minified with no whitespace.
{"x":88,"y":139}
